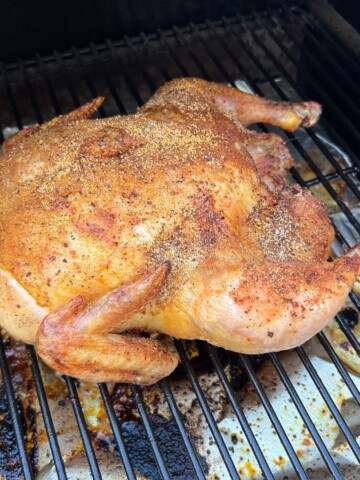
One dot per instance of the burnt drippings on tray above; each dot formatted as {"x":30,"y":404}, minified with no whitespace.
{"x":124,"y":404}
{"x":19,"y":364}
{"x":230,"y":361}
{"x":350,"y":316}
{"x":137,"y":441}
{"x":9,"y":453}
{"x":232,"y":366}
{"x":165,"y":429}
{"x":170,"y":444}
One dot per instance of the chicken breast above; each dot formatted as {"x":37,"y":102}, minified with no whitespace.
{"x":175,"y":220}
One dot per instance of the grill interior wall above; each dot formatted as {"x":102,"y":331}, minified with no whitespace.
{"x":272,"y":54}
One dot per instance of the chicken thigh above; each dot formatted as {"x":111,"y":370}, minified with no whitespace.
{"x":175,"y":220}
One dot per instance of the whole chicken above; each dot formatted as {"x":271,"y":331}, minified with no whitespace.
{"x":175,"y":220}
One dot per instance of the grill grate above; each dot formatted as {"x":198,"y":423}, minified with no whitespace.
{"x":269,"y":51}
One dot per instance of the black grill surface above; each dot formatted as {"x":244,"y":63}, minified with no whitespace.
{"x":284,"y":54}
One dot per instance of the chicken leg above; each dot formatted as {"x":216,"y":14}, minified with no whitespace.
{"x":270,"y":155}
{"x":269,"y":306}
{"x":246,"y":108}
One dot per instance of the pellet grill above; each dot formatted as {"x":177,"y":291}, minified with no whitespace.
{"x":279,"y":416}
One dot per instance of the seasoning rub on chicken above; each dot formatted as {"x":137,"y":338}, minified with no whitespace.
{"x":174,"y":220}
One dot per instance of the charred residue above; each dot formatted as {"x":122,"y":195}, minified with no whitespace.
{"x":10,"y":464}
{"x":170,"y":444}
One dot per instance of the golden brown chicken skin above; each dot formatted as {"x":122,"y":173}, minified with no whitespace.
{"x":175,"y":220}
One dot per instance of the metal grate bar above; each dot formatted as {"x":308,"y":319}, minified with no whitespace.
{"x":348,"y":332}
{"x":298,"y":145}
{"x":206,"y":410}
{"x":11,"y":98}
{"x":176,"y":415}
{"x":13,"y":410}
{"x":69,"y":86}
{"x":45,"y":410}
{"x":87,"y":80}
{"x":322,"y":147}
{"x":115,"y":96}
{"x":115,"y":425}
{"x":315,"y":85}
{"x":109,"y":83}
{"x":355,"y":299}
{"x":250,"y":372}
{"x":286,"y":75}
{"x":239,"y":412}
{"x":309,"y":423}
{"x":32,"y":97}
{"x":290,"y":33}
{"x":334,"y":64}
{"x":337,"y":44}
{"x":329,"y":402}
{"x":331,"y":105}
{"x":274,"y":35}
{"x":128,"y":82}
{"x":180,"y":38}
{"x":307,"y":24}
{"x":333,"y":176}
{"x":341,"y":204}
{"x":143,"y":70}
{"x":164,"y":42}
{"x":356,"y":302}
{"x":163,"y":470}
{"x":341,"y":141}
{"x":49,"y":86}
{"x":340,"y":367}
{"x":338,"y":235}
{"x":74,"y":397}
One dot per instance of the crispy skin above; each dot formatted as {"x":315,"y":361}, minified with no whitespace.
{"x":93,"y":206}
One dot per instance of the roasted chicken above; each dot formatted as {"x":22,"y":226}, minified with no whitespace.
{"x":175,"y":220}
